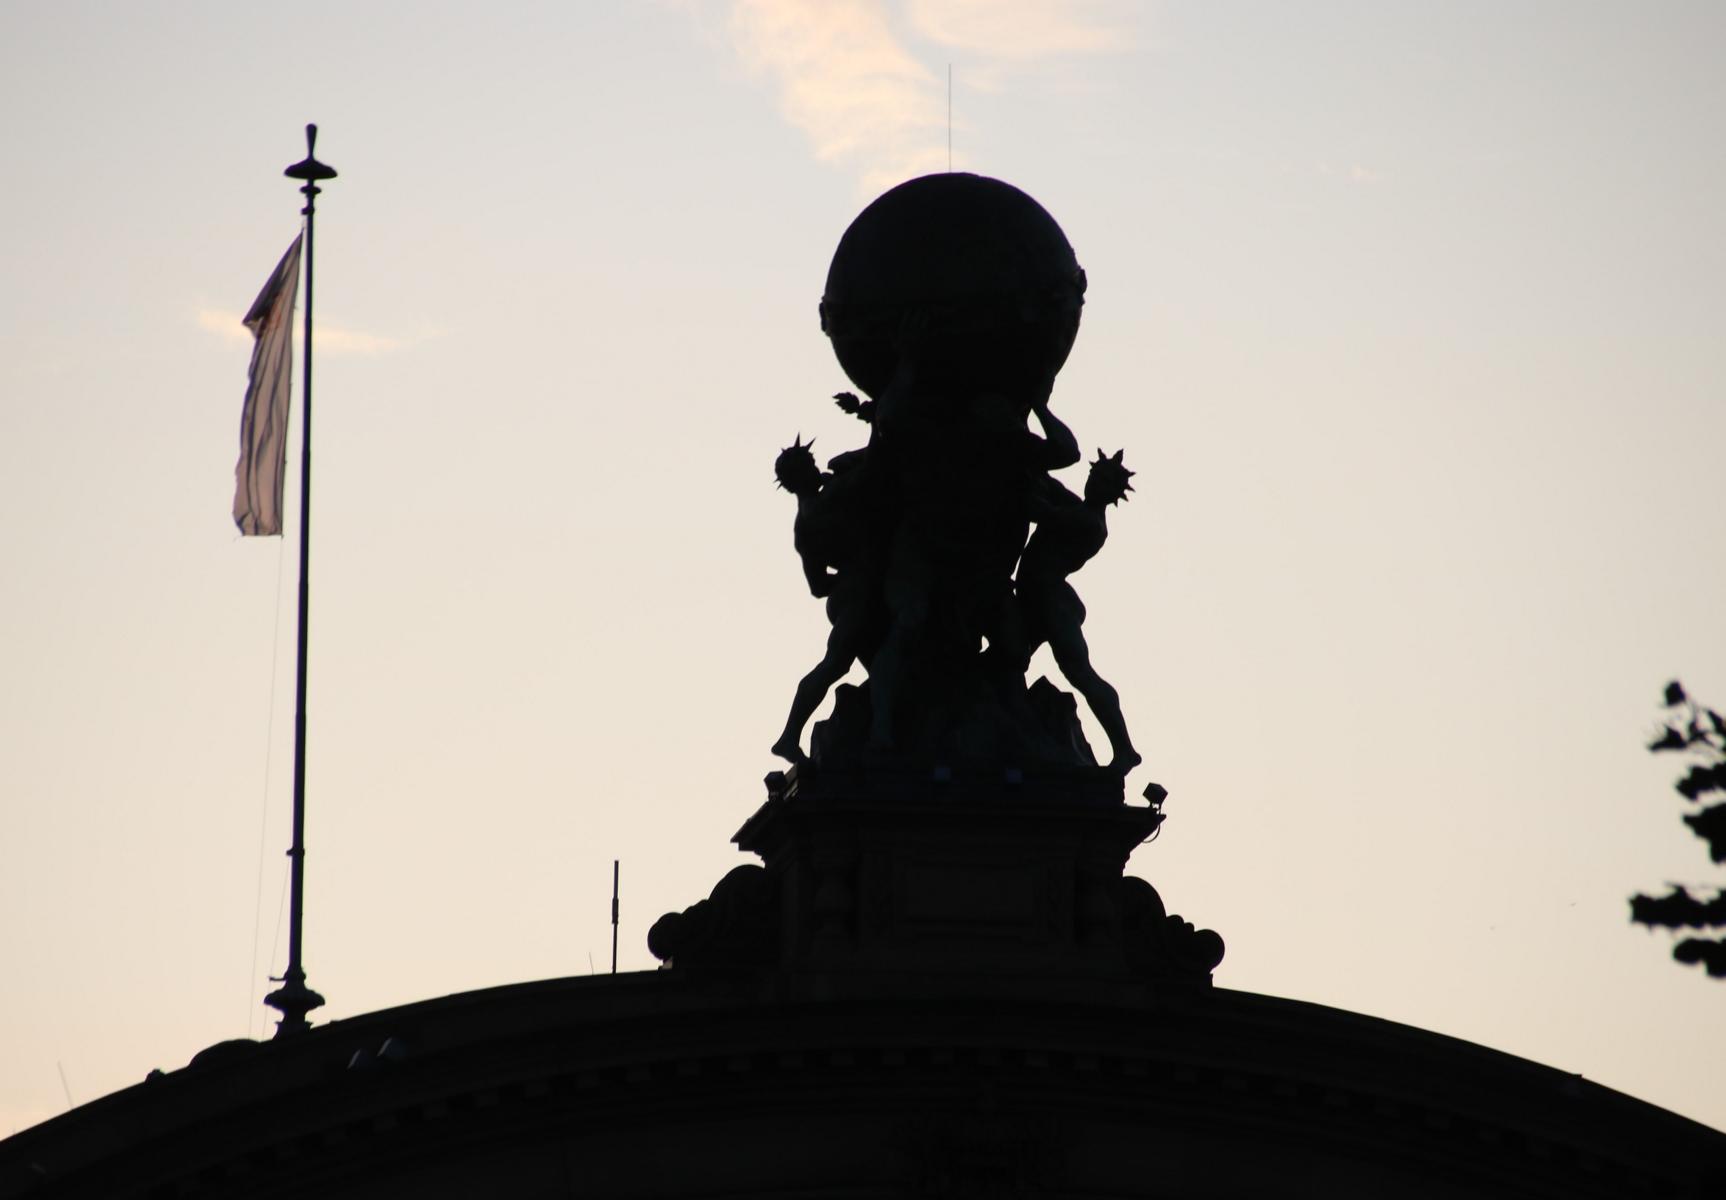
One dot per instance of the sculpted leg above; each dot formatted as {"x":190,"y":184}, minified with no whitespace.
{"x":908,"y":603}
{"x":1074,"y":659}
{"x":883,"y":683}
{"x":813,"y":689}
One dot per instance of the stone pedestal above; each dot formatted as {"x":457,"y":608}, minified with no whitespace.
{"x":877,"y":882}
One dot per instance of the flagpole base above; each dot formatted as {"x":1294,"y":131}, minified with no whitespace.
{"x":293,"y":1000}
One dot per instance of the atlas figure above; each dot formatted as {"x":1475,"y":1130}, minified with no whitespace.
{"x":1069,"y":533}
{"x":951,"y":304}
{"x":831,"y":535}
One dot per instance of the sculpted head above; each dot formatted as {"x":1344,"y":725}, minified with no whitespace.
{"x":796,"y":469}
{"x":1107,"y":482}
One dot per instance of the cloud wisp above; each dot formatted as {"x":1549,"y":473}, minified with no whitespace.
{"x":1023,"y":32}
{"x":1355,"y":173}
{"x":331,"y":339}
{"x":849,"y":81}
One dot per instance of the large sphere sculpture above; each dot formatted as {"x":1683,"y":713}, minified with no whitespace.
{"x":974,"y":269}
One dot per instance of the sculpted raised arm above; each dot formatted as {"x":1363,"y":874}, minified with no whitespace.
{"x":1060,"y":447}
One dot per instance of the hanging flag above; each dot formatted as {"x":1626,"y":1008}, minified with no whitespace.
{"x":264,"y":420}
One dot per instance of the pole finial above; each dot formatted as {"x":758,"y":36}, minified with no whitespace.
{"x":309,"y":168}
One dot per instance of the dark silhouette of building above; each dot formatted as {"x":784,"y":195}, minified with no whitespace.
{"x":938,"y":981}
{"x":959,"y":995}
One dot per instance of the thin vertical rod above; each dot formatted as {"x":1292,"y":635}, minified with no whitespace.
{"x":949,"y":118}
{"x":614,"y":878}
{"x":294,"y":999}
{"x":297,"y":884}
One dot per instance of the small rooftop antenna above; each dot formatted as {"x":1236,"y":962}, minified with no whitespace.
{"x":949,"y":118}
{"x":614,"y":878}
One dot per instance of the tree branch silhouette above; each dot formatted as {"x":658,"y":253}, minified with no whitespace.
{"x":1701,"y":733}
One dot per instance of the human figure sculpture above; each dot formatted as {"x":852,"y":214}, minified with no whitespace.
{"x":965,"y":482}
{"x":831,"y":535}
{"x":1069,"y":533}
{"x":951,"y":303}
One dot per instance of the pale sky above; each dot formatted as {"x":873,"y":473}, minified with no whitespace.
{"x":1411,"y":316}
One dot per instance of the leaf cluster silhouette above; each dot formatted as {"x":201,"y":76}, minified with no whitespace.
{"x":1701,"y":733}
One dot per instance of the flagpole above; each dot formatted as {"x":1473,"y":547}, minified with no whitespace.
{"x":294,"y":999}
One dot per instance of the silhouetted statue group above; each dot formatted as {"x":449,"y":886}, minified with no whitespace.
{"x":947,"y":818}
{"x":951,"y":303}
